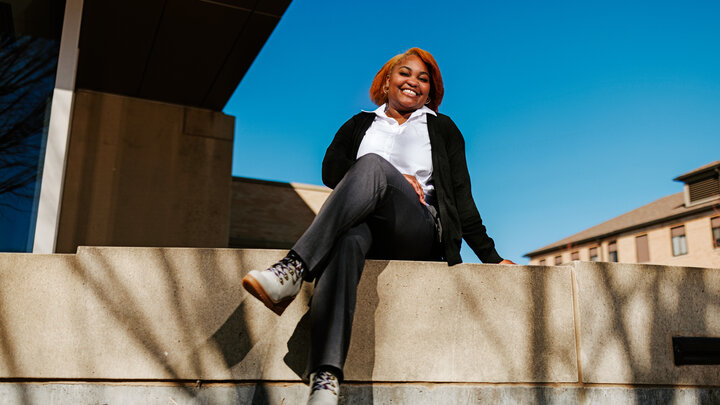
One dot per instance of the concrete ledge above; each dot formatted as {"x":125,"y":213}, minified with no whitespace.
{"x":154,"y":313}
{"x":176,"y":314}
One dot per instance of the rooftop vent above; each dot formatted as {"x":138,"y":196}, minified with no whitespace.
{"x":702,"y":184}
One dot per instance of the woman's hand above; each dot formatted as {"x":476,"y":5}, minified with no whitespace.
{"x":416,"y":185}
{"x":507,"y":262}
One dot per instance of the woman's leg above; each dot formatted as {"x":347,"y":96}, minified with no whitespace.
{"x":372,"y":191}
{"x":397,"y":227}
{"x":332,"y":307}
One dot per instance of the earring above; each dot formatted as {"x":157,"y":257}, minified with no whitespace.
{"x":428,"y":101}
{"x":385,"y":89}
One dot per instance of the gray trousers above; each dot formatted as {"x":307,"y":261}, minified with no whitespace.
{"x":373,"y":212}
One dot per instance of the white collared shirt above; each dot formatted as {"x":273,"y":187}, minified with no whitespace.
{"x":406,"y":146}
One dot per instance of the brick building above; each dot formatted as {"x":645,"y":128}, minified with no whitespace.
{"x":681,"y":229}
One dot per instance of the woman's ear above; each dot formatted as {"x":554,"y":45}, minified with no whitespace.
{"x":385,"y":89}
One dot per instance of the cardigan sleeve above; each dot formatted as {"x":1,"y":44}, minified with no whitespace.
{"x":473,"y":230}
{"x":338,"y":157}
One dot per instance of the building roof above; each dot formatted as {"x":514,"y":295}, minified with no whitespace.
{"x":708,"y":167}
{"x":191,"y":53}
{"x":664,"y":209}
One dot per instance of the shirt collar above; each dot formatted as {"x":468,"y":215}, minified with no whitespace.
{"x":380,"y":112}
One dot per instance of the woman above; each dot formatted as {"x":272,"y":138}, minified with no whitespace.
{"x":401,"y":191}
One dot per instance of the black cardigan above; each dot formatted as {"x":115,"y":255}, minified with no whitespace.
{"x":457,"y":210}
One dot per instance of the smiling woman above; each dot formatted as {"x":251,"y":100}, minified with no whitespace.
{"x":380,"y":88}
{"x":401,"y":191}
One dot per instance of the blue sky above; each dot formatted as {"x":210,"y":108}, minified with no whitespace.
{"x":572,"y":112}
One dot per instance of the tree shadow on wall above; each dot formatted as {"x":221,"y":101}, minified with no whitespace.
{"x":635,"y":313}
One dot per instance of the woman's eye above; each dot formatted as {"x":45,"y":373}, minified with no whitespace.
{"x":404,"y":74}
{"x":424,"y":79}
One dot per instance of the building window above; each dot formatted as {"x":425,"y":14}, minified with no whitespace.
{"x":612,"y":252}
{"x":542,"y":262}
{"x":679,"y":242}
{"x":558,"y":260}
{"x":642,"y":249}
{"x":29,"y":46}
{"x":715,"y":225}
{"x":594,"y":255}
{"x":575,"y":256}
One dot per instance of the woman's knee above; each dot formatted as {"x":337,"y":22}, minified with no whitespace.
{"x":373,"y":166}
{"x":372,"y":161}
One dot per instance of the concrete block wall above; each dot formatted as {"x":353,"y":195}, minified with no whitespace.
{"x":128,"y":324}
{"x":270,"y":214}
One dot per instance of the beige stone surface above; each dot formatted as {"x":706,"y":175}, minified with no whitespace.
{"x":179,"y":313}
{"x":314,"y":196}
{"x":628,"y":315}
{"x":270,"y":214}
{"x":626,"y":249}
{"x":145,"y":173}
{"x":466,"y":323}
{"x":698,"y":234}
{"x":162,"y":313}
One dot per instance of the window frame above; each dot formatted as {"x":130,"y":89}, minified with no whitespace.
{"x":612,"y":244}
{"x":715,"y":235}
{"x":646,"y":240}
{"x":678,"y":233}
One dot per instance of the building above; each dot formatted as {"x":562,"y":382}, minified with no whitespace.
{"x":126,"y":143}
{"x":270,"y":214}
{"x":681,"y":229}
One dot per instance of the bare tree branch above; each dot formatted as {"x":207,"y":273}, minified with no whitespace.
{"x":27,"y":75}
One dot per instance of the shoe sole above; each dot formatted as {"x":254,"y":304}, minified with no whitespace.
{"x":251,"y":285}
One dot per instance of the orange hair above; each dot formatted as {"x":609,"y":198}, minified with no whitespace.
{"x":379,"y":96}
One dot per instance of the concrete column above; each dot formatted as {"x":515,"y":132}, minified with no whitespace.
{"x":53,"y":175}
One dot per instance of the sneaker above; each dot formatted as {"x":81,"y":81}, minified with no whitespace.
{"x":277,"y":286}
{"x":324,"y":388}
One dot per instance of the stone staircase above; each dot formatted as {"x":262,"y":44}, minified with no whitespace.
{"x":112,"y":325}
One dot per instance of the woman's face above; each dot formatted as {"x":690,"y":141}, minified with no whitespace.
{"x":408,"y":85}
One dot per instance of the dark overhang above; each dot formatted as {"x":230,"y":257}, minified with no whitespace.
{"x":189,"y":52}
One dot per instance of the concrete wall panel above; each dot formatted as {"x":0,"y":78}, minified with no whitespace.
{"x":629,"y":314}
{"x":472,"y":323}
{"x":143,"y":173}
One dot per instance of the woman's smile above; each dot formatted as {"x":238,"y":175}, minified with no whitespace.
{"x":408,"y":86}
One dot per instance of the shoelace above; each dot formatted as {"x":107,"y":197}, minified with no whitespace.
{"x":325,"y":381}
{"x":286,"y":268}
